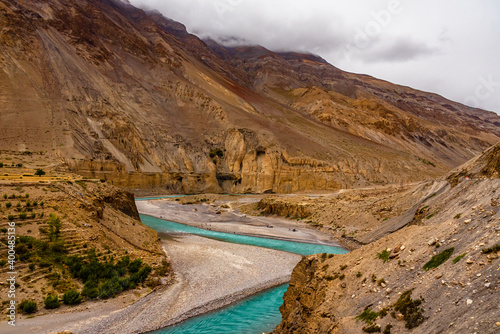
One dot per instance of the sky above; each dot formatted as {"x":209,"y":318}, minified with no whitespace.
{"x":449,"y":47}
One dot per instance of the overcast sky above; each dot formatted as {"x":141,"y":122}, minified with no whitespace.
{"x":451,"y":47}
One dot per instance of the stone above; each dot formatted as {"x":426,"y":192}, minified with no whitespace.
{"x":487,"y":285}
{"x":399,"y":316}
{"x":388,"y":290}
{"x":467,"y":221}
{"x":469,"y":301}
{"x":469,"y":261}
{"x":432,"y":241}
{"x":397,"y":248}
{"x":439,"y":276}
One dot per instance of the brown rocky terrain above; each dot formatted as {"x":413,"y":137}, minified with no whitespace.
{"x":95,"y":219}
{"x":425,"y":257}
{"x":111,"y":92}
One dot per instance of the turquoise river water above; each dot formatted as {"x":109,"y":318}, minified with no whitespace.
{"x":254,"y":315}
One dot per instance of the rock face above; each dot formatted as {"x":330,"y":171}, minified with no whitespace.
{"x":112,"y":92}
{"x":448,"y":257}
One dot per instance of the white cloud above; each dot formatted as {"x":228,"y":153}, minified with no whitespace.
{"x":444,"y":47}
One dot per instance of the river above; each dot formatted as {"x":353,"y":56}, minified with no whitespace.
{"x":254,"y":315}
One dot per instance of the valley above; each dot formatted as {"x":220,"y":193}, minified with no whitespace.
{"x":151,"y":178}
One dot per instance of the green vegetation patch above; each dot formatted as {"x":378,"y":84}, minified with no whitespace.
{"x":374,"y":328}
{"x":410,"y":309}
{"x":439,"y":259}
{"x":51,"y":302}
{"x":367,"y":316}
{"x":458,"y":258}
{"x":28,"y":306}
{"x":384,"y":255}
{"x":493,"y":249}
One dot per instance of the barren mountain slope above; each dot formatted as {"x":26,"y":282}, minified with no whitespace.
{"x":113,"y":92}
{"x":438,"y":272}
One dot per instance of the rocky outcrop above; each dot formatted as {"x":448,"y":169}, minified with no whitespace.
{"x":443,"y":267}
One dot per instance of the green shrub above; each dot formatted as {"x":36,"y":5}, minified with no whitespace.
{"x":384,"y":255}
{"x":32,"y":266}
{"x":39,"y":172}
{"x":359,"y":274}
{"x":493,"y":249}
{"x":410,"y":309}
{"x":387,"y":329}
{"x":110,"y":288}
{"x":54,"y":227}
{"x":367,"y":316}
{"x":90,"y":289}
{"x":51,"y":302}
{"x":3,"y":262}
{"x":374,"y":328}
{"x":10,"y":217}
{"x":134,"y":266}
{"x":28,"y":306}
{"x":23,"y":215}
{"x":439,"y":259}
{"x":72,"y":297}
{"x":458,"y":258}
{"x":3,"y":229}
{"x":8,"y":204}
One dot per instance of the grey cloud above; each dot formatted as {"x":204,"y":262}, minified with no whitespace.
{"x":398,"y":50}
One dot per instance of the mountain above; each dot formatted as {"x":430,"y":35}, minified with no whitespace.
{"x":436,"y":271}
{"x":112,"y":92}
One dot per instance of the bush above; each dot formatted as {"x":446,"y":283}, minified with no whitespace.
{"x":39,"y":172}
{"x":141,"y":275}
{"x":134,"y":266}
{"x":8,"y":204}
{"x":372,"y":329}
{"x":32,"y":266}
{"x":110,"y":288}
{"x":439,"y":259}
{"x":410,"y":309}
{"x":10,"y":217}
{"x":90,"y":289}
{"x":493,"y":249}
{"x":384,"y":255}
{"x":51,"y":302}
{"x":458,"y":258}
{"x":72,"y":297}
{"x":54,"y":227}
{"x":367,"y":316}
{"x":28,"y":306}
{"x":23,"y":215}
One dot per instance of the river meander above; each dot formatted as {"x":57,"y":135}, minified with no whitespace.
{"x":254,"y":315}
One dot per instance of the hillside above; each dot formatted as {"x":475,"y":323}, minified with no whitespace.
{"x":111,"y":92}
{"x":431,"y":264}
{"x":73,"y":233}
